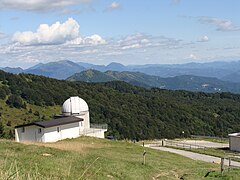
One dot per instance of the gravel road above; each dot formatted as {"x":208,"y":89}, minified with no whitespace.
{"x":196,"y":156}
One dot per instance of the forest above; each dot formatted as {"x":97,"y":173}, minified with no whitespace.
{"x":131,"y":112}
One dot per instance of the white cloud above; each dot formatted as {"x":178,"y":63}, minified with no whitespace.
{"x":89,"y":40}
{"x":2,"y":35}
{"x":54,"y":34}
{"x":139,"y":47}
{"x":204,"y":39}
{"x":221,"y":24}
{"x":113,"y":6}
{"x":57,"y":33}
{"x":192,"y":56}
{"x":140,"y":40}
{"x":39,"y":5}
{"x":131,"y":46}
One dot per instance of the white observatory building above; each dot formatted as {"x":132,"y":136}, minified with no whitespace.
{"x":73,"y":122}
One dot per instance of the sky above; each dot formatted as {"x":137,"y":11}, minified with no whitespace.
{"x":124,"y":31}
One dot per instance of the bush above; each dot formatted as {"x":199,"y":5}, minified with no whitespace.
{"x":3,"y":93}
{"x":1,"y":129}
{"x":15,"y":101}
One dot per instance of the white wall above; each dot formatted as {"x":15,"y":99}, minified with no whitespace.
{"x":97,"y":134}
{"x":30,"y":133}
{"x":66,"y":131}
{"x":94,"y":132}
{"x":86,"y":120}
{"x":234,"y":143}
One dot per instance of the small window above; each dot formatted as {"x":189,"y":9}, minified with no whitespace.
{"x":58,"y":129}
{"x":23,"y":129}
{"x":39,"y":130}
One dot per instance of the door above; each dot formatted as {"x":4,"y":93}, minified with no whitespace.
{"x":39,"y":134}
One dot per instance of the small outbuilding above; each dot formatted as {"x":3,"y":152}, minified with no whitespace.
{"x":234,"y":142}
{"x":73,"y":122}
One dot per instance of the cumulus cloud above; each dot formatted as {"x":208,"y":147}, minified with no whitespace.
{"x":203,"y":39}
{"x":113,"y":6}
{"x":57,"y":33}
{"x":90,"y":40}
{"x":39,"y":5}
{"x":221,"y":24}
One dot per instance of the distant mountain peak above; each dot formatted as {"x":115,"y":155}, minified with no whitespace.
{"x":115,"y":64}
{"x":57,"y":69}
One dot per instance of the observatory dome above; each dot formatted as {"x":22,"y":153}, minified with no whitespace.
{"x":74,"y":106}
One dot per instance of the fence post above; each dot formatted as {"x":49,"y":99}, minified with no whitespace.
{"x":144,"y":158}
{"x":222,"y":165}
{"x":229,"y":163}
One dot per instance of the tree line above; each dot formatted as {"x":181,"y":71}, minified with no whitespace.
{"x":131,"y":112}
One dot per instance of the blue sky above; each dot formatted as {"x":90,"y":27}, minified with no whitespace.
{"x":125,"y":31}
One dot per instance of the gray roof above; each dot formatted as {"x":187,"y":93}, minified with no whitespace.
{"x":53,"y":122}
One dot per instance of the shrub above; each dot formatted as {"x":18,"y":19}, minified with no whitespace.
{"x":15,"y":101}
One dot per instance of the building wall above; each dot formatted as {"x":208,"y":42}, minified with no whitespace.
{"x":65,"y":131}
{"x":234,"y":143}
{"x":97,"y":134}
{"x":86,"y":120}
{"x":93,"y":132}
{"x":31,"y":133}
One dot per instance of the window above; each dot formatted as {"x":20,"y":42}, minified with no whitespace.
{"x":39,"y":130}
{"x":23,"y":129}
{"x":58,"y":129}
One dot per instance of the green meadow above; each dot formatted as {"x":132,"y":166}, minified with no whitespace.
{"x":91,"y":158}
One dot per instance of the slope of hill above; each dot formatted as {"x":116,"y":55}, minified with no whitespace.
{"x":58,"y":70}
{"x":186,"y":82}
{"x":90,"y":158}
{"x":216,"y":69}
{"x":91,"y":76}
{"x":12,"y":70}
{"x":232,"y":77}
{"x":131,"y":112}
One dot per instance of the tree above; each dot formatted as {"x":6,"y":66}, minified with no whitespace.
{"x":2,"y":93}
{"x":15,"y":101}
{"x":1,"y":129}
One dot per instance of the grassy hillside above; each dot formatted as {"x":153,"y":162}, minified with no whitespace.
{"x":90,"y":158}
{"x":130,"y":112}
{"x":11,"y":116}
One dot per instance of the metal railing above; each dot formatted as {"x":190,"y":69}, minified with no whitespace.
{"x":177,"y":144}
{"x":99,"y":126}
{"x":209,"y":137}
{"x":184,"y":145}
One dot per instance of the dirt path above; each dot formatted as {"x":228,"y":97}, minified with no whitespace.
{"x":196,"y":156}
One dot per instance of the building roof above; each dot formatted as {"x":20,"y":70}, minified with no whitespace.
{"x":74,"y":105}
{"x":53,"y":122}
{"x":234,"y":135}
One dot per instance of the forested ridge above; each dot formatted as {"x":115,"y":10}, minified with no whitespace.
{"x":130,"y":111}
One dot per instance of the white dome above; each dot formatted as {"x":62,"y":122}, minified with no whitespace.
{"x":74,"y":106}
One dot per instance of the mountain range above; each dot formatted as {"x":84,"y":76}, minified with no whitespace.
{"x":207,"y":77}
{"x":229,"y":71}
{"x":184,"y":82}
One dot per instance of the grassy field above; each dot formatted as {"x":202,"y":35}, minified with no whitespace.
{"x":90,"y":158}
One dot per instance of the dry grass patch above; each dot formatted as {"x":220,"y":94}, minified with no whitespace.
{"x":77,"y":146}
